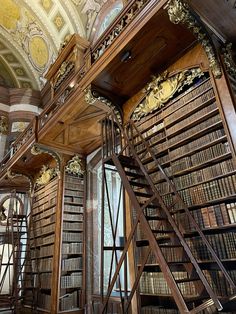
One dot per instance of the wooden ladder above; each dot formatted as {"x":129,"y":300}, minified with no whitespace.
{"x":153,"y":209}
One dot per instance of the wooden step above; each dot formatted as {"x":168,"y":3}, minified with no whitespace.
{"x":158,"y":218}
{"x":142,"y":194}
{"x":134,"y":174}
{"x":139,"y":184}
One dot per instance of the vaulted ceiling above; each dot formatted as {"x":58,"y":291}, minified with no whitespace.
{"x":31,"y":32}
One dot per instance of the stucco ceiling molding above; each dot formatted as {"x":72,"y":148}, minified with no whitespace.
{"x":20,"y":55}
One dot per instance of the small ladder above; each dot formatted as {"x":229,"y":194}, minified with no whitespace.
{"x":154,"y":210}
{"x":17,"y":234}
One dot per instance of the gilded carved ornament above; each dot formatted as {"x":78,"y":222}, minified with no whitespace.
{"x":162,"y":88}
{"x":179,"y":12}
{"x":228,"y":60}
{"x":91,"y":97}
{"x":46,"y":174}
{"x":75,"y":166}
{"x":37,"y":149}
{"x":3,"y":125}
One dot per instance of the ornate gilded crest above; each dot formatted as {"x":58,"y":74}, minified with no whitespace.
{"x":162,"y":88}
{"x":75,"y":166}
{"x":46,"y":174}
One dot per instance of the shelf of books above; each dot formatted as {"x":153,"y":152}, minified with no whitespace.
{"x":189,"y":140}
{"x":72,"y":274}
{"x":42,"y":236}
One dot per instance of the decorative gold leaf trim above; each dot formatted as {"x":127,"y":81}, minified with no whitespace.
{"x":162,"y":88}
{"x":38,"y":149}
{"x":179,"y":12}
{"x":75,"y":166}
{"x":46,"y":174}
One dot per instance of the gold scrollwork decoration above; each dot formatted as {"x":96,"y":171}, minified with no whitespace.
{"x":38,"y":149}
{"x":46,"y":174}
{"x":162,"y":88}
{"x":179,"y":12}
{"x":75,"y":166}
{"x":229,"y":61}
{"x":91,"y":97}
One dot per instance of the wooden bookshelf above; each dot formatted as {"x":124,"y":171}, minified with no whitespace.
{"x":188,"y":138}
{"x":72,"y":252}
{"x":42,"y":238}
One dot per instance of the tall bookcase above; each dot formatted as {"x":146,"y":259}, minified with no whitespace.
{"x":42,"y":238}
{"x":72,"y":252}
{"x":190,"y":141}
{"x":57,"y":224}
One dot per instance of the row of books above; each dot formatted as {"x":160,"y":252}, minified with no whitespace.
{"x":208,"y":217}
{"x":48,"y":203}
{"x":200,"y":157}
{"x":217,"y":281}
{"x":156,"y":127}
{"x":224,"y":245}
{"x":74,"y":193}
{"x":77,"y":185}
{"x":41,"y":190}
{"x":157,"y":310}
{"x":34,"y":242}
{"x":197,"y":129}
{"x":40,"y":195}
{"x":70,"y":179}
{"x":193,"y":105}
{"x":187,"y":96}
{"x":44,"y":300}
{"x":76,"y":226}
{"x":73,"y":199}
{"x":208,"y":191}
{"x":73,"y":217}
{"x":205,"y":174}
{"x":42,"y":265}
{"x":73,"y":208}
{"x":155,"y":283}
{"x":203,"y":140}
{"x":74,"y":280}
{"x":42,"y":251}
{"x":72,"y":248}
{"x":45,"y":199}
{"x":71,"y":264}
{"x":69,"y":301}
{"x":44,"y":221}
{"x":42,"y":231}
{"x":190,"y":119}
{"x":47,"y":212}
{"x":72,"y":237}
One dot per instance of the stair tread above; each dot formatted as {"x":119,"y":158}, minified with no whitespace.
{"x":139,"y":184}
{"x":134,"y":174}
{"x":155,"y":218}
{"x":142,"y":194}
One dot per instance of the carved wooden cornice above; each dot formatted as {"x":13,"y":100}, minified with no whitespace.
{"x":75,"y":166}
{"x":91,"y":97}
{"x":162,"y":88}
{"x":179,"y":12}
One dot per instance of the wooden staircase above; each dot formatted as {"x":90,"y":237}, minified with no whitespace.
{"x":154,"y":216}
